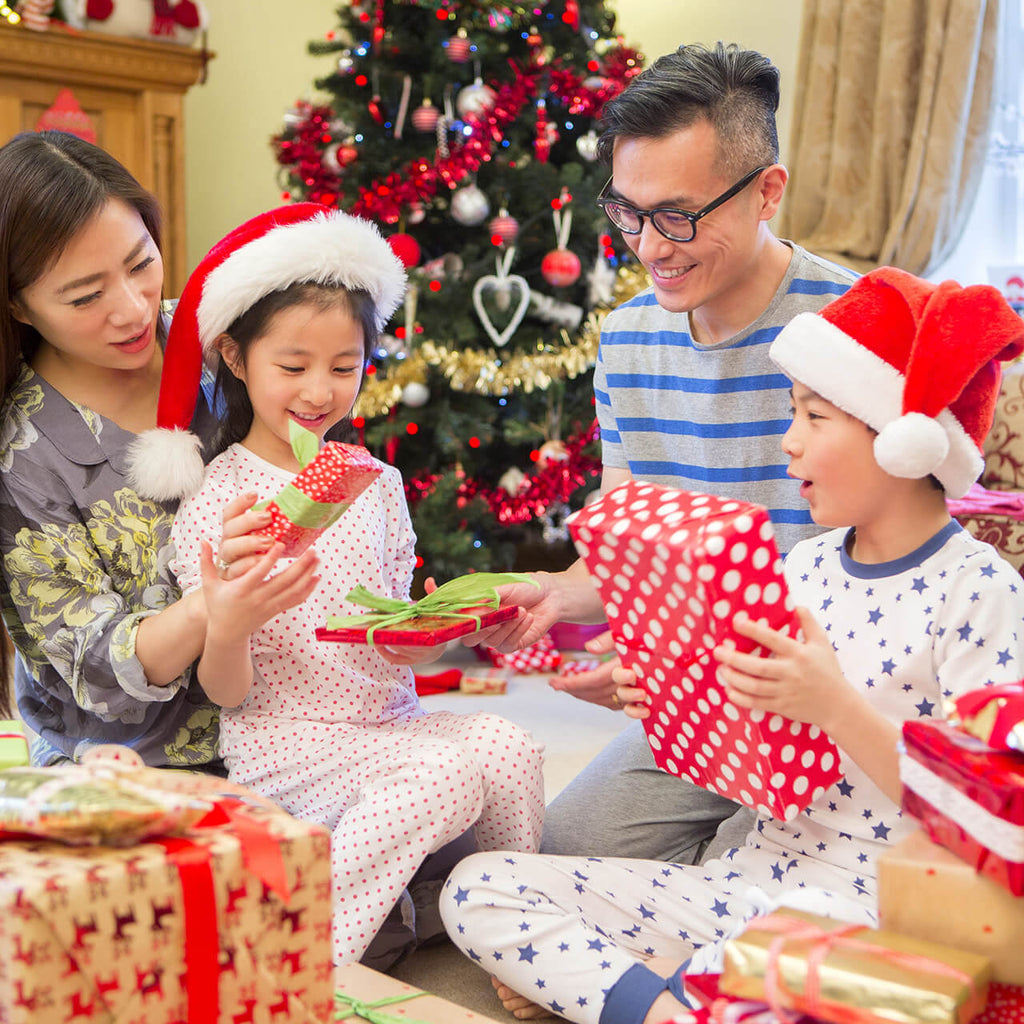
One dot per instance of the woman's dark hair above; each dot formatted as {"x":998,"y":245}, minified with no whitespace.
{"x":51,"y":185}
{"x":231,"y":398}
{"x":736,"y":90}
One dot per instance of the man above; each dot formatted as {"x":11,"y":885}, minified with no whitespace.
{"x":686,"y":394}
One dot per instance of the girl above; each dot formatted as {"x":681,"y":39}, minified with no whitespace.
{"x":288,"y":307}
{"x":893,"y":394}
{"x":105,"y":647}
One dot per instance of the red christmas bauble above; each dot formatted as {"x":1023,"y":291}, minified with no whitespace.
{"x":406,"y":248}
{"x":561,"y":268}
{"x":458,"y":47}
{"x":505,"y":227}
{"x":424,"y":117}
{"x":346,"y":155}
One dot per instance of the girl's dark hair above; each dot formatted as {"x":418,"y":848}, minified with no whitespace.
{"x":51,"y":185}
{"x":736,"y":90}
{"x":231,"y":398}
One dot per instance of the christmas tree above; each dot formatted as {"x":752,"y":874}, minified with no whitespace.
{"x":467,"y":130}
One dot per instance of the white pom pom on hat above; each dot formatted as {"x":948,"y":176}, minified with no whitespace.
{"x":916,"y":361}
{"x":298,"y":243}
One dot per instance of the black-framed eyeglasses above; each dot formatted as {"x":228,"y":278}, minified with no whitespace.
{"x":676,"y":225}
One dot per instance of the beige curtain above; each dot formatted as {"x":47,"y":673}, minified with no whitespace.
{"x":893,"y":104}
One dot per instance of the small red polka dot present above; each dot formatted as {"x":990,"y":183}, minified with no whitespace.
{"x":538,"y":657}
{"x":673,"y":568}
{"x":331,"y":479}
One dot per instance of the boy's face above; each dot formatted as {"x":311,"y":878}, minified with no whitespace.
{"x":833,"y":454}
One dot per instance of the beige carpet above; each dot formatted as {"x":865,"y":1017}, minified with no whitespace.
{"x":572,"y":732}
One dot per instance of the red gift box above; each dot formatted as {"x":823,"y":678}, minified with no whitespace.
{"x":1005,"y":1005}
{"x":673,"y":568}
{"x":968,"y":796}
{"x":541,"y":656}
{"x":421,"y":630}
{"x":319,"y":495}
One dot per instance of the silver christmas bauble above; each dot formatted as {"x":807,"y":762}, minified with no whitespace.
{"x":586,"y":146}
{"x":477,"y":98}
{"x":469,"y":206}
{"x":415,"y":394}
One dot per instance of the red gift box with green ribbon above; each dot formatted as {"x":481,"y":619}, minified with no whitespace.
{"x":332,"y":478}
{"x":221,"y":920}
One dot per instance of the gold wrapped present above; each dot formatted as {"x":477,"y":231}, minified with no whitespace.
{"x":851,"y":974}
{"x":488,"y":680}
{"x":228,"y":922}
{"x":366,"y":995}
{"x":918,"y":883}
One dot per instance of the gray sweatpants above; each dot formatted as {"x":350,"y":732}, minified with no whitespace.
{"x":623,"y":805}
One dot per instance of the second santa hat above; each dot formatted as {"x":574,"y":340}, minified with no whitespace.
{"x":298,"y":243}
{"x":917,"y":362}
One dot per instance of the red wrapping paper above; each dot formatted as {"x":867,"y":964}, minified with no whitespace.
{"x":968,"y":796}
{"x":422,"y":630}
{"x":1005,"y":1005}
{"x":673,"y":568}
{"x":335,"y":477}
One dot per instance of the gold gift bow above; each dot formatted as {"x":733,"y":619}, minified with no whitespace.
{"x":368,"y":1011}
{"x":450,"y":600}
{"x":793,"y":930}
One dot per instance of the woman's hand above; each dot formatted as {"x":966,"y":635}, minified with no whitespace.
{"x":801,"y":679}
{"x":629,"y":694}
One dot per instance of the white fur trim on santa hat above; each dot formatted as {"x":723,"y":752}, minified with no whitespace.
{"x":165,"y":465}
{"x":813,"y":351}
{"x":330,"y":248}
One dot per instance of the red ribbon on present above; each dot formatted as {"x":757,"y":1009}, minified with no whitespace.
{"x":1007,"y":719}
{"x":261,"y":854}
{"x":794,"y":930}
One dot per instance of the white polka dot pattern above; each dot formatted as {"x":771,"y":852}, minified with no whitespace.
{"x":673,"y":568}
{"x":337,"y":476}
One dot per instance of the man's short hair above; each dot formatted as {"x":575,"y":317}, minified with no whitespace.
{"x":736,"y":90}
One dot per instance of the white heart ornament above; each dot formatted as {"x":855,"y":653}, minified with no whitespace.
{"x":510,"y":281}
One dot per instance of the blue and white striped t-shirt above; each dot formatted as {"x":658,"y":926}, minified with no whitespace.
{"x":709,"y":417}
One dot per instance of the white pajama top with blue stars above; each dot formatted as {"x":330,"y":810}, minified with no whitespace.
{"x":563,"y":931}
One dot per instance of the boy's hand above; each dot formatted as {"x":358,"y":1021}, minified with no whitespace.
{"x":801,"y":679}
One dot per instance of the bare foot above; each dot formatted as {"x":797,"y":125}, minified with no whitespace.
{"x":519,"y":1006}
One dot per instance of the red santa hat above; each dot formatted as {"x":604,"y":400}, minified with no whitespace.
{"x":917,"y":362}
{"x":298,"y":243}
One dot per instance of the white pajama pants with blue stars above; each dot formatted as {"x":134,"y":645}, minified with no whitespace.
{"x":562,"y":930}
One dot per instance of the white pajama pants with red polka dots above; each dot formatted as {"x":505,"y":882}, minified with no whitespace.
{"x":393,"y":793}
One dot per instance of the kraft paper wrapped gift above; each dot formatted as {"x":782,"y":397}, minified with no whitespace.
{"x":331,"y":479}
{"x":673,"y":568}
{"x":228,"y":923}
{"x":968,"y":796}
{"x":840,"y":972}
{"x":918,"y":884}
{"x":364,"y":994}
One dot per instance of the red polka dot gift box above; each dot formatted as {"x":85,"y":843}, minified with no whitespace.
{"x":673,"y":568}
{"x":332,"y":478}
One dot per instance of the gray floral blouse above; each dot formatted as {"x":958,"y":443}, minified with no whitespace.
{"x":85,"y":559}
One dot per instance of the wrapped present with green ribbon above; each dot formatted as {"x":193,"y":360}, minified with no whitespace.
{"x":461,"y":606}
{"x":332,"y":477}
{"x":13,"y":744}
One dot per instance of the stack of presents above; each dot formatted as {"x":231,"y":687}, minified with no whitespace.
{"x":144,"y":896}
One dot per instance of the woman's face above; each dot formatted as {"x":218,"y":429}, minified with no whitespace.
{"x":97,"y":306}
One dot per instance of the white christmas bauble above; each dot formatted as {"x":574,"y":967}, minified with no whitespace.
{"x":477,"y":98}
{"x":512,"y":479}
{"x":586,"y":146}
{"x":469,"y":206}
{"x":330,"y":158}
{"x":416,"y":213}
{"x":415,"y":394}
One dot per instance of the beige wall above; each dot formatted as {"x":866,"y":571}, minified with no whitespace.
{"x":262,"y":67}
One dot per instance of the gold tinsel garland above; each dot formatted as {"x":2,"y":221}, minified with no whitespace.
{"x":486,"y":372}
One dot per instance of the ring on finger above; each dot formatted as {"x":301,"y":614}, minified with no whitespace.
{"x":221,"y":566}
{"x":615,"y":700}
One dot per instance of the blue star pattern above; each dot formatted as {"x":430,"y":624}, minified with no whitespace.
{"x":564,"y":931}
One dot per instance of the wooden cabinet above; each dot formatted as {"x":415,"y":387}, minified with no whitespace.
{"x":132,"y":89}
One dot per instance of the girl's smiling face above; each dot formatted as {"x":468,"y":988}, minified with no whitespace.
{"x":305,"y":368}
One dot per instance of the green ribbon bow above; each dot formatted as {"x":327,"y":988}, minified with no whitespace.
{"x":348,"y":1006}
{"x":450,"y":600}
{"x":300,"y":508}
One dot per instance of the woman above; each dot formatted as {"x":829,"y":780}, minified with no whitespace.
{"x":104,"y":644}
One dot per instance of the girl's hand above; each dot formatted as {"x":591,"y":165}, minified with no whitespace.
{"x":801,"y":679}
{"x":629,"y":694}
{"x":238,"y":605}
{"x":411,"y":654}
{"x":239,"y":548}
